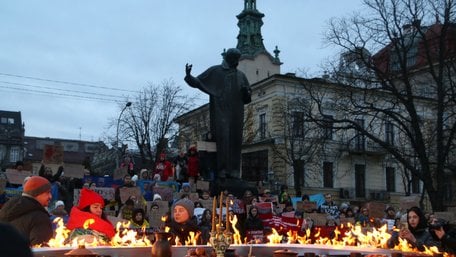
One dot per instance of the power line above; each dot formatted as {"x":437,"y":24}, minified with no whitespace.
{"x":58,"y":89}
{"x":61,"y":94}
{"x":66,"y":82}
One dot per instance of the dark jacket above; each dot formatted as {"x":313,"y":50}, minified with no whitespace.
{"x":29,"y":217}
{"x":183,"y":230}
{"x":253,"y":223}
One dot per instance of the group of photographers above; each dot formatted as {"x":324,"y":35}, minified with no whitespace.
{"x":421,"y":232}
{"x":440,"y":230}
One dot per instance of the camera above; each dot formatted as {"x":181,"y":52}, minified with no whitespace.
{"x":437,"y":224}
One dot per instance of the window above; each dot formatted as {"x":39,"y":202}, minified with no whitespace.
{"x":360,"y":180}
{"x":389,"y":133}
{"x":415,"y":184}
{"x":262,"y":125}
{"x":15,"y":154}
{"x":328,"y":174}
{"x":5,"y":120}
{"x":328,"y":127}
{"x":390,"y":179}
{"x":297,"y":123}
{"x":360,"y":140}
{"x":255,"y":165}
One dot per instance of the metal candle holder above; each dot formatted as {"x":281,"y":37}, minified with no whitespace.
{"x":220,"y":241}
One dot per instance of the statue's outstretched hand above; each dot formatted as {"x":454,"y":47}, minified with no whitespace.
{"x":188,"y":69}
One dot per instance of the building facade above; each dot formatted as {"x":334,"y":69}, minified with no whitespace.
{"x":290,"y":132}
{"x":11,"y":138}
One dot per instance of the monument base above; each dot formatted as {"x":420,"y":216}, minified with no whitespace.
{"x":235,"y":186}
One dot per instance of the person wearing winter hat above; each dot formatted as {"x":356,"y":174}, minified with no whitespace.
{"x":59,"y":211}
{"x":164,"y":168}
{"x":90,"y":207}
{"x":183,"y":221}
{"x":157,"y":197}
{"x":27,"y":212}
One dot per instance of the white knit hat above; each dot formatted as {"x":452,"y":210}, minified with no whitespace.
{"x":157,"y":197}
{"x":59,"y":203}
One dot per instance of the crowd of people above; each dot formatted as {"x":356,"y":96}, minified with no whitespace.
{"x":92,"y":217}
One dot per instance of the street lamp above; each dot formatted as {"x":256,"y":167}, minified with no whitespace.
{"x":128,"y":104}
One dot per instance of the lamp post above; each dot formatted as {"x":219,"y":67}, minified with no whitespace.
{"x":128,"y":104}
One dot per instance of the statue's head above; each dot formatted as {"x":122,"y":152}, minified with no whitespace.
{"x":232,"y":56}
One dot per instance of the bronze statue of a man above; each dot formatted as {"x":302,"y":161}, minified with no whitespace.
{"x":228,"y":91}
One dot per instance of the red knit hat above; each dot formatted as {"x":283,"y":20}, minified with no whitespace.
{"x":88,"y":197}
{"x":36,"y":185}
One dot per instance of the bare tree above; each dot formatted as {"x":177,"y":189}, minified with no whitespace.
{"x":402,"y":98}
{"x":149,"y":122}
{"x":302,"y":141}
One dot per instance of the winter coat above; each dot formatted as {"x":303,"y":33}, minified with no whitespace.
{"x":193,"y":165}
{"x":164,"y":169}
{"x":29,"y":217}
{"x":253,"y":223}
{"x":78,"y":217}
{"x":182,"y":230}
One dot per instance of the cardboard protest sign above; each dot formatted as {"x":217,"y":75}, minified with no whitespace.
{"x":306,"y":206}
{"x":73,"y":170}
{"x":206,"y":146}
{"x":53,"y":154}
{"x":406,"y":202}
{"x":120,"y":173}
{"x":108,"y":193}
{"x":207,"y":203}
{"x":319,"y":219}
{"x":376,"y":209}
{"x":165,"y":192}
{"x":17,"y":177}
{"x":448,"y":216}
{"x":202,"y":185}
{"x":129,"y":192}
{"x":156,"y":214}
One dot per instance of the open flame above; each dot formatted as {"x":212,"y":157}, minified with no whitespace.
{"x":350,"y":235}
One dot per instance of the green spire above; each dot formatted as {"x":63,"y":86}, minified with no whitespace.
{"x":250,"y":41}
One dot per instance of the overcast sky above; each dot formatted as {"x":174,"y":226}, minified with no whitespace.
{"x":51,"y":51}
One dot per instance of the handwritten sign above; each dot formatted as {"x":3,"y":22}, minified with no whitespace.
{"x":206,"y":146}
{"x":53,"y":154}
{"x":306,"y":206}
{"x":73,"y":170}
{"x":155,"y":215}
{"x":17,"y":177}
{"x":407,"y":202}
{"x":206,"y":203}
{"x":202,"y":185}
{"x":376,"y":209}
{"x":129,"y":192}
{"x":106,"y":192}
{"x":165,"y":192}
{"x":319,"y":219}
{"x":120,"y":173}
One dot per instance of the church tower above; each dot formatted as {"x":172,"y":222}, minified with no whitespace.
{"x":256,"y":62}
